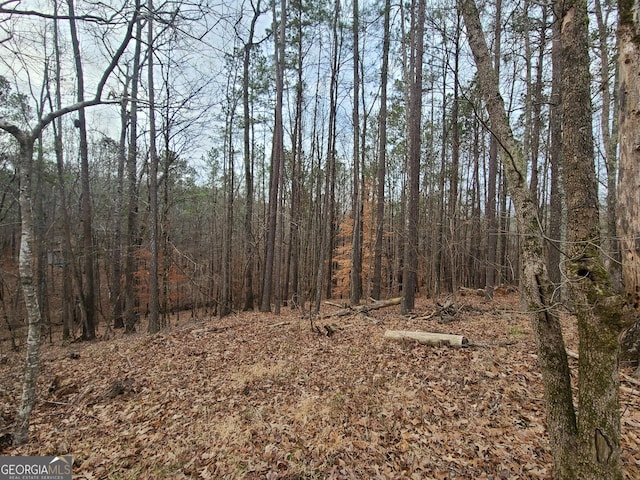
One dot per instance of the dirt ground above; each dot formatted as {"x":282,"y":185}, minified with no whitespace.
{"x":262,"y":396}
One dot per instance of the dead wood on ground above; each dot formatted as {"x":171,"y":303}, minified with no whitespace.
{"x":427,"y":338}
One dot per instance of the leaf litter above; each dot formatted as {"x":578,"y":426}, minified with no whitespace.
{"x":259,"y":396}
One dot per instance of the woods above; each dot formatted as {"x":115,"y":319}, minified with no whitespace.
{"x":182,"y":159}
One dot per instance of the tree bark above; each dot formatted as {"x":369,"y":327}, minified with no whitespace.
{"x":292,"y":270}
{"x":225,"y":301}
{"x":25,"y":266}
{"x":70,"y":264}
{"x":537,"y":101}
{"x":628,"y":207}
{"x":596,"y":304}
{"x":455,"y":161}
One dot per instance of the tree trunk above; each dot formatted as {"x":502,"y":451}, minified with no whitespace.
{"x":72,"y":276}
{"x":455,"y":161}
{"x":40,"y":239}
{"x":277,"y":157}
{"x":382,"y":156}
{"x":225,"y":302}
{"x":596,"y":304}
{"x":410,"y":280}
{"x":131,"y":315}
{"x":154,"y":287}
{"x":116,"y":259}
{"x":537,"y":101}
{"x":249,"y":298}
{"x":89,"y":321}
{"x":25,"y":266}
{"x":327,"y":217}
{"x":628,"y":208}
{"x":70,"y":260}
{"x":292,"y":271}
{"x":538,"y":290}
{"x":356,"y":246}
{"x":366,"y":308}
{"x":556,"y":200}
{"x":608,"y":124}
{"x":491,"y":215}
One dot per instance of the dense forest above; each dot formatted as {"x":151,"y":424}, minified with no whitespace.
{"x":175,"y":157}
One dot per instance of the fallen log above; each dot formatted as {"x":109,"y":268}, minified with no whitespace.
{"x":427,"y":338}
{"x":479,"y":292}
{"x":364,"y":308}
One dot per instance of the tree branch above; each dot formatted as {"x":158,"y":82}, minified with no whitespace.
{"x":46,"y":120}
{"x":51,"y":16}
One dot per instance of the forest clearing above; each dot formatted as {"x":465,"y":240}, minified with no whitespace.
{"x":258,"y":396}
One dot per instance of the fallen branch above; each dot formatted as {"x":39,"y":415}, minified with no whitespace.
{"x":572,"y":354}
{"x":427,"y":316}
{"x":427,"y":338}
{"x":201,"y":331}
{"x":508,"y":343}
{"x":630,"y":391}
{"x":479,"y":292}
{"x":365,"y":308}
{"x":279,"y":324}
{"x":334,"y":304}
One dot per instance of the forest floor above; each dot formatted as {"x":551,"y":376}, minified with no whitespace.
{"x":262,"y":396}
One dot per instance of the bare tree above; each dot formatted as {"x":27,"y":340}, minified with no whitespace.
{"x":586,"y":444}
{"x":609,"y":137}
{"x":277,"y":158}
{"x":26,"y":139}
{"x":490,"y":213}
{"x":75,"y":279}
{"x":130,"y":319}
{"x":248,"y":163}
{"x":356,"y":240}
{"x":382,"y":155}
{"x":410,"y":274}
{"x":551,"y":350}
{"x":556,"y":201}
{"x":225,"y":302}
{"x":117,"y":305}
{"x":89,"y":303}
{"x":326,"y":226}
{"x":154,"y":290}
